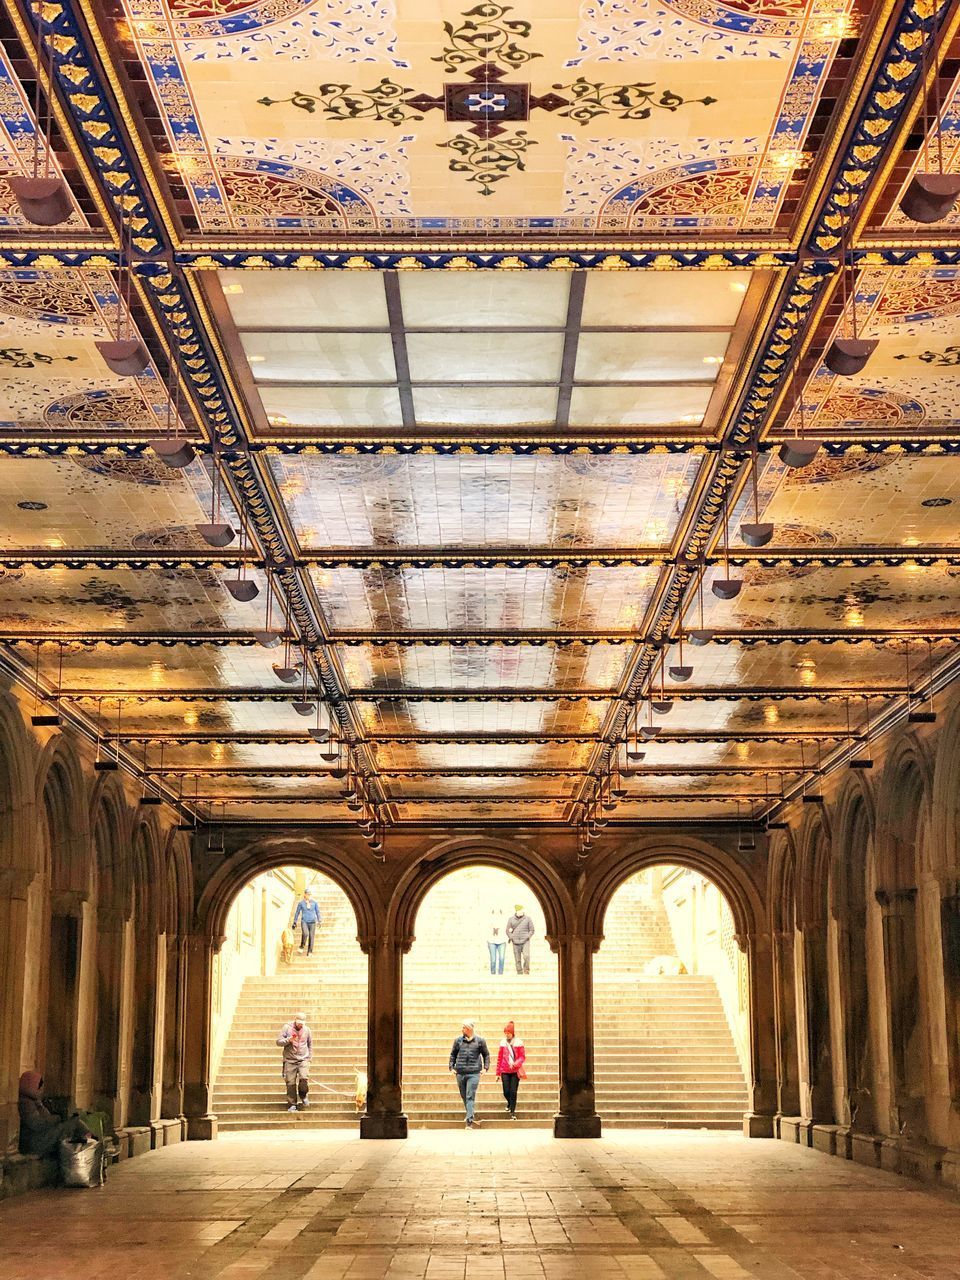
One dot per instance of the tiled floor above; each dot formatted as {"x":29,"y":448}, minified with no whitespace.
{"x":484,"y":1206}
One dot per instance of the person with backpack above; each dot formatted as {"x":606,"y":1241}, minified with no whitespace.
{"x":510,"y":1072}
{"x":468,"y":1057}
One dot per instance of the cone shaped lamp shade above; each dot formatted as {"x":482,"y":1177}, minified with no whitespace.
{"x":847,"y":356}
{"x":699,"y":637}
{"x":633,"y":754}
{"x":680,"y":674}
{"x":45,"y":202}
{"x":242,"y":589}
{"x":173,"y":451}
{"x":268,"y":639}
{"x":304,"y":708}
{"x":287,"y":674}
{"x":125,"y":356}
{"x":649,"y":731}
{"x":662,"y":707}
{"x":726,"y":588}
{"x":319,"y":734}
{"x":799,"y":452}
{"x":145,"y":801}
{"x":929,"y":196}
{"x":216,"y":535}
{"x":756,"y":535}
{"x":47,"y":720}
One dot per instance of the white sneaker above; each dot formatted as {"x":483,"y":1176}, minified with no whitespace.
{"x":304,"y":1102}
{"x":291,"y":1108}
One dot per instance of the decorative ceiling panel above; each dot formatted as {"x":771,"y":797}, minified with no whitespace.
{"x":502,"y":501}
{"x":597,"y":666}
{"x":297,"y":117}
{"x":469,"y":599}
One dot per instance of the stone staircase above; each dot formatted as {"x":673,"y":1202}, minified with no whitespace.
{"x":664,"y":1055}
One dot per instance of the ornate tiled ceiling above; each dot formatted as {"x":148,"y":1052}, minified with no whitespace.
{"x":477,"y":319}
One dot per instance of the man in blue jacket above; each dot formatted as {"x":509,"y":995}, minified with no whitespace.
{"x":468,"y":1057}
{"x":308,"y":914}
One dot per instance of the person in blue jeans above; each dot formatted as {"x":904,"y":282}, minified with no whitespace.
{"x":497,"y":941}
{"x":468,"y":1057}
{"x":308,"y":915}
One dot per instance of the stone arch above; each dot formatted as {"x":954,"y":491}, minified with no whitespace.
{"x":782,"y":883}
{"x":903,"y":827}
{"x":308,"y":851}
{"x":178,"y":881}
{"x":17,"y":796}
{"x":813,"y":868}
{"x":453,"y":855}
{"x":849,"y":906}
{"x":148,"y":913}
{"x":110,"y":827}
{"x":730,"y":877}
{"x":944,"y":854}
{"x":61,"y":804}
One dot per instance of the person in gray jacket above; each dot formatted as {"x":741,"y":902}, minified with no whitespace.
{"x":519,"y":931}
{"x":468,"y":1057}
{"x":297,"y":1044}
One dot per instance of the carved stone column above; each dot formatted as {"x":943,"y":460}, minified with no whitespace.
{"x":817,"y":1088}
{"x":14,"y":890}
{"x":759,"y":1121}
{"x":384,"y":1116}
{"x":171,"y":1107}
{"x":63,"y":1008}
{"x":149,"y":977}
{"x":785,"y":1003}
{"x":899,"y":917}
{"x":950,"y":948}
{"x":577,"y":1117}
{"x":108,"y":1073}
{"x":197,"y":1085}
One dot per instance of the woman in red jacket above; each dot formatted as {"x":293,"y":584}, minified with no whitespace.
{"x":510,"y":1070}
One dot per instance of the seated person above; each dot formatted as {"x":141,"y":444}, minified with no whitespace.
{"x":40,"y":1130}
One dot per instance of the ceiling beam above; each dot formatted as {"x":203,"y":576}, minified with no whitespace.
{"x":732,"y":693}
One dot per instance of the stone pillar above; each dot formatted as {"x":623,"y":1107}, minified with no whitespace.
{"x":107,"y":1091}
{"x":785,"y":998}
{"x":147,"y":1030}
{"x":63,"y":1008}
{"x":198,"y":1015}
{"x":384,"y":1116}
{"x":759,"y":1121}
{"x":817,"y":1077}
{"x":171,"y":1101}
{"x":14,"y":890}
{"x":898,"y":914}
{"x":950,"y":949}
{"x":577,"y":1117}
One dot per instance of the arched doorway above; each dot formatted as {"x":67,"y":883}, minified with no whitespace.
{"x":261,"y":978}
{"x":671,"y":1015}
{"x":452,"y":973}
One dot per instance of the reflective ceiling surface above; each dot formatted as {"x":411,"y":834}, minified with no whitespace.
{"x":485,"y":324}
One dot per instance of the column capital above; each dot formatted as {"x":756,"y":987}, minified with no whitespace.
{"x":15,"y":882}
{"x":67,"y":902}
{"x":562,"y":940}
{"x":373,"y":941}
{"x":892,"y":902}
{"x":111,"y":919}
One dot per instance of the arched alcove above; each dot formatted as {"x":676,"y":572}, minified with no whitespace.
{"x":671,"y":1009}
{"x":261,"y":978}
{"x":457,"y":969}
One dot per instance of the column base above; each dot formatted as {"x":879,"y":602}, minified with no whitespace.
{"x":758,"y":1126}
{"x":381,"y":1128}
{"x":201,"y":1128}
{"x":587,"y":1126}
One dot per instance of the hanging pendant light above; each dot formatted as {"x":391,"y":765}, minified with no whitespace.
{"x":726,"y":588}
{"x":304,"y":707}
{"x":799,"y":451}
{"x":680,"y":674}
{"x":701,"y":635}
{"x":930,"y":194}
{"x":846,"y":356}
{"x":756,"y":534}
{"x":269,"y":637}
{"x":125,"y":353}
{"x":866,"y":761}
{"x":633,"y":751}
{"x":811,"y":797}
{"x":46,"y":719}
{"x":151,"y":797}
{"x":172,"y":449}
{"x":43,"y":198}
{"x":663,"y":705}
{"x":778,"y":824}
{"x":319,"y":732}
{"x":915,"y":712}
{"x":242,"y":588}
{"x":649,"y":731}
{"x":218,"y":533}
